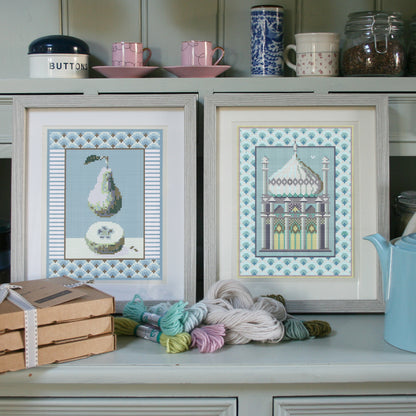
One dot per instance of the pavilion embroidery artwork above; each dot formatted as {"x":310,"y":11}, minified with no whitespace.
{"x":104,"y":204}
{"x":295,"y":202}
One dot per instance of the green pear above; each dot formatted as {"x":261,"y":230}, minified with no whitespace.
{"x":105,"y":198}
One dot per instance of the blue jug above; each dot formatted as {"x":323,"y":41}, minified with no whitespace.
{"x":398,"y":264}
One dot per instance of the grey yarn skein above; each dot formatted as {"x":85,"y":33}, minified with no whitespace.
{"x":246,"y":319}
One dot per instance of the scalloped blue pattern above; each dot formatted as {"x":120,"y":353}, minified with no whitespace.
{"x":146,"y":269}
{"x":340,"y":265}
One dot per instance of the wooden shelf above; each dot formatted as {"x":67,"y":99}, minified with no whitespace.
{"x":208,"y":85}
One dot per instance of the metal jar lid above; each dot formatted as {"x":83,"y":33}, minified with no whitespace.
{"x":407,"y":199}
{"x":273,"y":7}
{"x":58,"y":44}
{"x":374,"y":22}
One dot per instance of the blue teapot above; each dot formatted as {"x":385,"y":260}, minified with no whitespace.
{"x":398,"y":264}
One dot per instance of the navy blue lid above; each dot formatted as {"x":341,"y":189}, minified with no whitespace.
{"x":58,"y":44}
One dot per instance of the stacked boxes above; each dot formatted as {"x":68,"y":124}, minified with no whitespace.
{"x":73,"y":323}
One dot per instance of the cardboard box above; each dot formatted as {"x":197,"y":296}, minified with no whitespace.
{"x":51,"y":354}
{"x":73,"y":322}
{"x":47,"y":296}
{"x":58,"y":333}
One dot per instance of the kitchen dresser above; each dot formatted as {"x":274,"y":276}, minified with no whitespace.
{"x":352,"y":372}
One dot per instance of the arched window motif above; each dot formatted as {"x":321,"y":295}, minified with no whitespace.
{"x":311,"y":237}
{"x":279,"y":237}
{"x":295,"y":237}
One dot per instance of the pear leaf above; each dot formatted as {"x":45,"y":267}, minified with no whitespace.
{"x":91,"y":158}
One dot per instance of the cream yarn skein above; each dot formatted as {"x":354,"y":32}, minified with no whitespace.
{"x":245,"y":319}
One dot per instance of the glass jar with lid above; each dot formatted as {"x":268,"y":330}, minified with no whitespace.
{"x":404,"y":209}
{"x":411,"y":55}
{"x":374,"y":44}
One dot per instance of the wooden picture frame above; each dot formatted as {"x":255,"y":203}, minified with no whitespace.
{"x":104,"y":190}
{"x":292,"y":184}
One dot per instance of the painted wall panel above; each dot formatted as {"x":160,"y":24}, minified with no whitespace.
{"x":329,"y":15}
{"x":102,"y":22}
{"x":406,"y":7}
{"x":22,"y":21}
{"x":169,"y":22}
{"x":163,"y":24}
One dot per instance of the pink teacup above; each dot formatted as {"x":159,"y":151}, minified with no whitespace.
{"x":199,"y":53}
{"x":130,"y":54}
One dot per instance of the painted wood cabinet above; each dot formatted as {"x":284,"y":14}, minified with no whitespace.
{"x":351,"y":373}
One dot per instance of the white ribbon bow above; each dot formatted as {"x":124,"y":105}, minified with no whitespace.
{"x":31,"y":321}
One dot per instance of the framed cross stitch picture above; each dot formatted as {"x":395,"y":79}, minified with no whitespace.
{"x":104,"y":191}
{"x":292,"y":184}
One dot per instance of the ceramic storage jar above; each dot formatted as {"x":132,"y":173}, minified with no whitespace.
{"x":58,"y":56}
{"x":374,"y":45}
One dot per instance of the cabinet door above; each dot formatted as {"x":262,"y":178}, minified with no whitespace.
{"x":120,"y":407}
{"x":345,"y":406}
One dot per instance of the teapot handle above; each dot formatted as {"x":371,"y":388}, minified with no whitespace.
{"x":411,"y":226}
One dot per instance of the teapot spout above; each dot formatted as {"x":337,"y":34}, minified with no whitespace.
{"x":384,"y":254}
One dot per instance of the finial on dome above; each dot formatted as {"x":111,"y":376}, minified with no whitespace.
{"x":295,"y":148}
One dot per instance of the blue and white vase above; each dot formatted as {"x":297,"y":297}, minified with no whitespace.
{"x":267,"y":41}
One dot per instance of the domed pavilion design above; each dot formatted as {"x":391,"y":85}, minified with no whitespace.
{"x":295,"y":207}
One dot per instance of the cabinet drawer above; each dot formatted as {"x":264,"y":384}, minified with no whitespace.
{"x":345,"y":406}
{"x":183,"y":406}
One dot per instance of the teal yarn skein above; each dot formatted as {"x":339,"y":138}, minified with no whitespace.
{"x":295,"y":330}
{"x":194,"y":316}
{"x":171,"y":323}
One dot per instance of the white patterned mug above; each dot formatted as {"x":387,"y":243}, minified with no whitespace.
{"x":317,"y":54}
{"x":199,"y":53}
{"x":130,"y":54}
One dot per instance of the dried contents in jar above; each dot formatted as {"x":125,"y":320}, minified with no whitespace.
{"x":374,"y":44}
{"x":375,"y":58}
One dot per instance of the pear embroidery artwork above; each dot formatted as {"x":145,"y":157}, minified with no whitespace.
{"x":104,"y":204}
{"x":104,"y":237}
{"x":105,"y":198}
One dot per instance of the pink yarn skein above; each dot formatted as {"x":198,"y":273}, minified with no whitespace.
{"x":208,"y":338}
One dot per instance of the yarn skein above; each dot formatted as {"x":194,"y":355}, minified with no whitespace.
{"x":208,"y":338}
{"x":296,"y":329}
{"x":171,"y":323}
{"x":245,"y":319}
{"x":194,"y":316}
{"x":173,"y":344}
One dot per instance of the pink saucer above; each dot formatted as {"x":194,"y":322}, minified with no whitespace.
{"x":197,"y":71}
{"x":124,"y":71}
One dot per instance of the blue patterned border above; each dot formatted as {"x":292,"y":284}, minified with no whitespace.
{"x":150,"y":141}
{"x":338,"y":263}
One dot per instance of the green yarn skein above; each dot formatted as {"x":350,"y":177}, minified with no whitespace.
{"x":296,"y":329}
{"x":171,"y":323}
{"x":173,"y":344}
